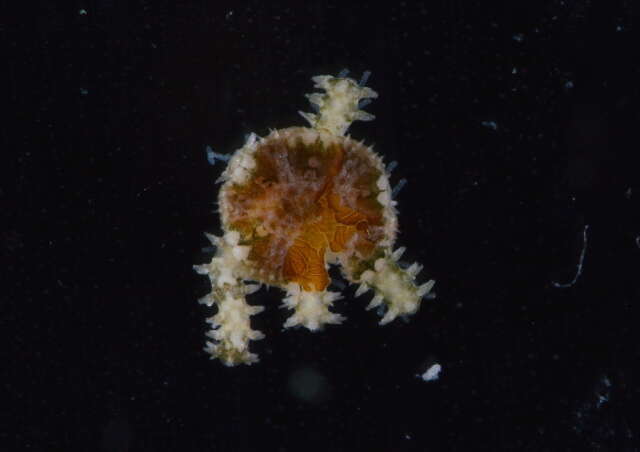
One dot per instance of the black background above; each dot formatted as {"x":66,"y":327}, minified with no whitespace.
{"x":515,"y":125}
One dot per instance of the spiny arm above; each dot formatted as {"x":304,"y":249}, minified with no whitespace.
{"x":339,"y":105}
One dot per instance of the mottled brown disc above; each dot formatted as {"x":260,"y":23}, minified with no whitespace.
{"x":307,"y":195}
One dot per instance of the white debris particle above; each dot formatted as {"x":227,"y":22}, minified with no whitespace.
{"x":601,"y":400}
{"x":490,"y":124}
{"x":432,"y":373}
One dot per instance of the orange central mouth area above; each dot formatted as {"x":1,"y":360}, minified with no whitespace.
{"x":334,"y":227}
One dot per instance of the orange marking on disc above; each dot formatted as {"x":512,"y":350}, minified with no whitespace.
{"x":333,"y":227}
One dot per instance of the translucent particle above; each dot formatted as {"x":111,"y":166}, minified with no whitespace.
{"x":490,"y":125}
{"x":432,"y":373}
{"x":580,"y":262}
{"x":291,"y":204}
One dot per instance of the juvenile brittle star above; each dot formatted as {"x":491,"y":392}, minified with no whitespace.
{"x":294,"y":202}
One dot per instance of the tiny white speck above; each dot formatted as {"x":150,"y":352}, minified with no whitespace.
{"x":432,"y":373}
{"x":601,"y":400}
{"x":490,"y":124}
{"x":82,"y":12}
